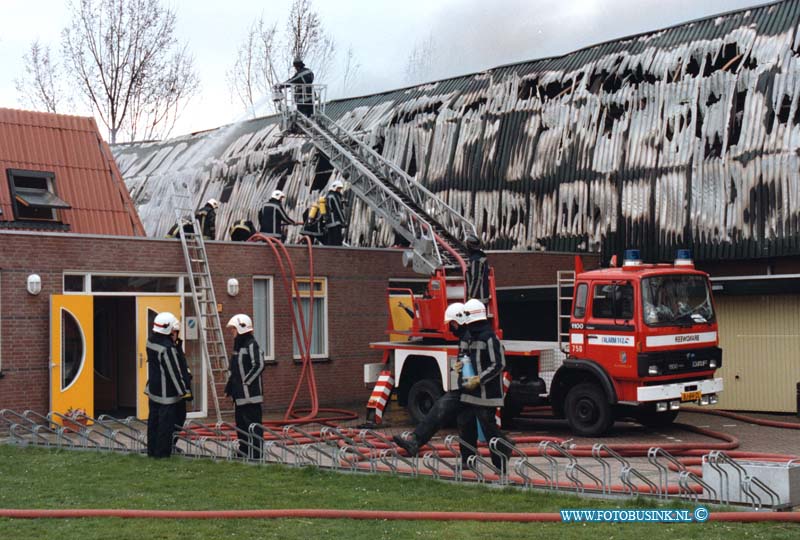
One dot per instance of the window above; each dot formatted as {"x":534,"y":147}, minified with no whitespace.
{"x":319,"y":330}
{"x":34,"y":196}
{"x":262,"y":316}
{"x":141,"y":284}
{"x":580,"y":301}
{"x":74,"y":282}
{"x":613,"y":301}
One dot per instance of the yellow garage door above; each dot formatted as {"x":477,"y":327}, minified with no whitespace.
{"x":760,"y":339}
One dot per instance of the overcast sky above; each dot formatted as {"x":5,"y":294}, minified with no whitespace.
{"x":471,"y":35}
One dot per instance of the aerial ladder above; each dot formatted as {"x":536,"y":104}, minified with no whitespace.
{"x":435,"y":231}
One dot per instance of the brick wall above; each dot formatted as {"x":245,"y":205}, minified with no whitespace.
{"x":357,"y":311}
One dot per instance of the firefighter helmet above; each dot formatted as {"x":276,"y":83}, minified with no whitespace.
{"x":473,"y":242}
{"x":297,"y":61}
{"x":213,"y":203}
{"x":164,"y":322}
{"x":454,"y":312}
{"x":242,"y":323}
{"x":278,"y":194}
{"x":474,"y":311}
{"x":337,"y":185}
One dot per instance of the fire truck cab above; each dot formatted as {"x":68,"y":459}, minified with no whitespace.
{"x":643,"y":340}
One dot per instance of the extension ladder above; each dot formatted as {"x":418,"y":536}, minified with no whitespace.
{"x":205,"y":302}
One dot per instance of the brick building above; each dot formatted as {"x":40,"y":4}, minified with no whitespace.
{"x":116,"y":279}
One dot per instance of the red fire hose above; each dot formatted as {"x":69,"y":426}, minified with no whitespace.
{"x":325,"y":513}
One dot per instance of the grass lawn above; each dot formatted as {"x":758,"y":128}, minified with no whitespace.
{"x":38,"y":478}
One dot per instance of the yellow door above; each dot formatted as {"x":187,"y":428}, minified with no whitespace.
{"x":147,"y":307}
{"x":72,"y":353}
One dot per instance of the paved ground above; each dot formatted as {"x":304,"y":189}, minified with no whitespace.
{"x":753,"y":438}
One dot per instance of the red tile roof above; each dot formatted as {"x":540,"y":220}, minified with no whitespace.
{"x":86,"y":175}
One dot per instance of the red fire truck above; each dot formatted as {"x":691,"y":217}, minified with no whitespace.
{"x":642,"y":340}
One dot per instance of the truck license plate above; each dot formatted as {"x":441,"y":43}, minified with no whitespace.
{"x":691,"y":396}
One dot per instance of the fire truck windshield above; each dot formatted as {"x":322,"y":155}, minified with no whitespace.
{"x":676,"y":300}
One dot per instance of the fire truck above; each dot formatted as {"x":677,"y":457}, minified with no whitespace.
{"x":642,"y":338}
{"x":642,"y":341}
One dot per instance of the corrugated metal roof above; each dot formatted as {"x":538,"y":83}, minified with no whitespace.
{"x":86,"y":176}
{"x":685,"y":136}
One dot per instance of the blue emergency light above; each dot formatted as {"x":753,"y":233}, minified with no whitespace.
{"x":684,"y":258}
{"x":632,"y":257}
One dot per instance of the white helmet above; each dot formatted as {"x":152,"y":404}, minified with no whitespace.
{"x":242,"y":323}
{"x":176,"y":326}
{"x":474,"y":311}
{"x":213,"y":203}
{"x":454,"y":312}
{"x":164,"y":322}
{"x":337,"y":185}
{"x":278,"y":194}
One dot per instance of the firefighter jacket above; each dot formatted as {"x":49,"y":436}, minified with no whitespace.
{"x":272,"y":218}
{"x":242,"y":230}
{"x":246,"y":365}
{"x":165,"y":377}
{"x":207,"y":217}
{"x":335,"y":209}
{"x":488,"y":359}
{"x":478,"y":276}
{"x":186,"y":373}
{"x":303,"y":79}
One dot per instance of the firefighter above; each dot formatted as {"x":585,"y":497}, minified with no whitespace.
{"x":335,"y":218}
{"x":482,"y":393}
{"x":301,"y":83}
{"x":313,"y":221}
{"x":448,"y":406}
{"x":165,"y":388}
{"x":242,"y":230}
{"x":174,"y":231}
{"x":272,"y":218}
{"x":186,"y":373}
{"x":207,"y":217}
{"x":477,"y":271}
{"x":244,"y":384}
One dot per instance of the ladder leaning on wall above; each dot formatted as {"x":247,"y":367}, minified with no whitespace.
{"x":212,"y":343}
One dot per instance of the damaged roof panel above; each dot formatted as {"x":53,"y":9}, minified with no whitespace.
{"x":686,"y":136}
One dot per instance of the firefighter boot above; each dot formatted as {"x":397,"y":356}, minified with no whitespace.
{"x":410,"y":445}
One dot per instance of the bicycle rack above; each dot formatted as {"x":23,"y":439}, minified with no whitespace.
{"x":570,"y":469}
{"x":663,"y":471}
{"x":475,"y":459}
{"x":449,"y":443}
{"x":625,"y":474}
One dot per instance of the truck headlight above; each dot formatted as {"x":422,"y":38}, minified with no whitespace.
{"x":653,"y":370}
{"x":713,"y":399}
{"x":704,"y":400}
{"x":674,"y":405}
{"x":662,"y":406}
{"x":712,"y":364}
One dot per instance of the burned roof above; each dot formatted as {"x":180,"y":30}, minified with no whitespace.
{"x":687,"y":136}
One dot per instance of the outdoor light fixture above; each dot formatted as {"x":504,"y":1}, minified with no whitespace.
{"x":233,"y":287}
{"x":34,"y":284}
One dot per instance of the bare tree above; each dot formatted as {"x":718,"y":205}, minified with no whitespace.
{"x":350,"y":71}
{"x":421,"y":61}
{"x":41,"y":86}
{"x":128,"y":64}
{"x":265,"y":56}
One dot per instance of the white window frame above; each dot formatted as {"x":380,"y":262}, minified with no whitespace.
{"x":306,"y":279}
{"x":269,"y":355}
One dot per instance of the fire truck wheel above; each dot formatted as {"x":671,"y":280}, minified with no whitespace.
{"x":647,"y":416}
{"x":421,"y":397}
{"x":587,"y":410}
